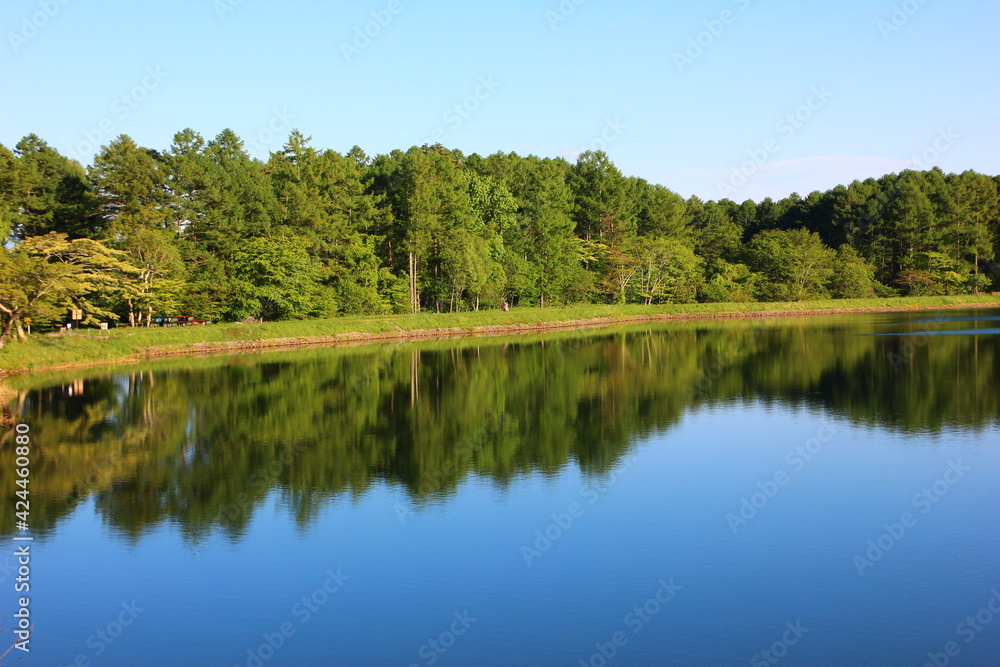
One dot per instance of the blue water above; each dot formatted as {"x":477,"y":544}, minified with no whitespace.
{"x":654,"y":559}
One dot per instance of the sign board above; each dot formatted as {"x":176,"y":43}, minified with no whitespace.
{"x":104,"y":326}
{"x":77,"y":315}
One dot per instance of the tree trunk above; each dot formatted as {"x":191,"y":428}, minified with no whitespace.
{"x":977,"y":272}
{"x":414,"y":297}
{"x":7,"y":327}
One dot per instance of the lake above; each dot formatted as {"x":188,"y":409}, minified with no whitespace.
{"x":797,"y":491}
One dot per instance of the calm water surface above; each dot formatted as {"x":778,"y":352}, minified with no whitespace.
{"x":823,"y":489}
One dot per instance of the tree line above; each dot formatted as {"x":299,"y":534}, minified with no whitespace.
{"x":203,"y":229}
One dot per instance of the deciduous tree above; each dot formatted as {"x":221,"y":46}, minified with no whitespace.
{"x":45,"y":272}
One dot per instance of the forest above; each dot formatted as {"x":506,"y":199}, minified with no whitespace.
{"x":202,"y":229}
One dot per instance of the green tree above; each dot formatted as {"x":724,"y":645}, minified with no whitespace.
{"x":496,"y":219}
{"x":604,"y":200}
{"x":130,"y":186}
{"x":185,"y":176}
{"x":661,"y":213}
{"x":140,"y":211}
{"x":274,"y":279}
{"x":51,"y":193}
{"x":232,"y":202}
{"x":238,"y":200}
{"x":45,"y":273}
{"x":8,"y":192}
{"x":795,"y":263}
{"x":668,"y":272}
{"x":159,"y":286}
{"x":853,"y":276}
{"x":716,"y":236}
{"x":729,"y":282}
{"x":325,"y":201}
{"x":911,"y":221}
{"x":429,"y":221}
{"x":549,"y":245}
{"x":975,"y":227}
{"x":606,"y":207}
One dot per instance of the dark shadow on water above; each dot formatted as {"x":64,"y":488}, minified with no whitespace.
{"x":203,"y":443}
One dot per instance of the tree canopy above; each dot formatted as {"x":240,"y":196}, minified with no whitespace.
{"x":203,"y":229}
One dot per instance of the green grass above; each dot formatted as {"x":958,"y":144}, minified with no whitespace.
{"x":90,"y":347}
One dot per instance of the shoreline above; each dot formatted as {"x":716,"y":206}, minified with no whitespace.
{"x":402,"y":335}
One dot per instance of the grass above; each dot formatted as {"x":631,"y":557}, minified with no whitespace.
{"x":124,"y":344}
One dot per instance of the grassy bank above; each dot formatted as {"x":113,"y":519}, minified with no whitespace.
{"x":119,"y":345}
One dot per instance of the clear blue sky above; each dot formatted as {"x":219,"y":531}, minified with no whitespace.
{"x":879,"y":97}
